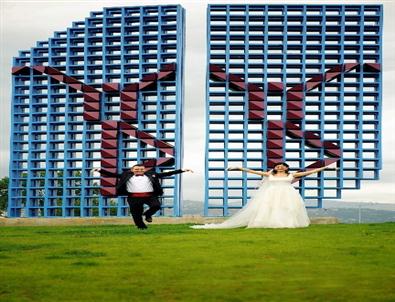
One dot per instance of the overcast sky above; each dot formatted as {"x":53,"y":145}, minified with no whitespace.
{"x":25,"y":22}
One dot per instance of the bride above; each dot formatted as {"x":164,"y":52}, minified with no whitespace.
{"x":276,"y":204}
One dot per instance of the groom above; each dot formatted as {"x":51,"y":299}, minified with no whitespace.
{"x":141,"y":187}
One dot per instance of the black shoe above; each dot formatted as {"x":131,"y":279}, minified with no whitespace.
{"x":142,"y":227}
{"x":148,"y":218}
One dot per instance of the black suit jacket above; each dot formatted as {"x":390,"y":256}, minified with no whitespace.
{"x":152,"y":175}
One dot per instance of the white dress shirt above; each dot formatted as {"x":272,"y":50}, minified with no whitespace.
{"x":139,"y":184}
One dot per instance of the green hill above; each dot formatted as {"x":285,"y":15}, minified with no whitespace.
{"x":175,"y":263}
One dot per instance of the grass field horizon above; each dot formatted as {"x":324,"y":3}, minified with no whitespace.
{"x":340,"y":262}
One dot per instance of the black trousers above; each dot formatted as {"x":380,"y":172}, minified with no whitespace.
{"x":136,"y":205}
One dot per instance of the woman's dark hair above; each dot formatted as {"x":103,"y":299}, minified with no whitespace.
{"x":284,"y":164}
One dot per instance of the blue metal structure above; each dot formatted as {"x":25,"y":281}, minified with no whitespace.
{"x":294,"y":83}
{"x":67,"y":90}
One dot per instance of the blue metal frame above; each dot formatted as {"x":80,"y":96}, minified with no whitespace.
{"x":291,"y":44}
{"x":53,"y":149}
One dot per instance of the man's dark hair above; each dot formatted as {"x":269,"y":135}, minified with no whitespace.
{"x":138,"y":165}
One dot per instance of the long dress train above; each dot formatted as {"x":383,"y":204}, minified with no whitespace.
{"x":276,"y":204}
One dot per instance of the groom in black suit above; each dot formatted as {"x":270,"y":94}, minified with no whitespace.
{"x":141,"y":187}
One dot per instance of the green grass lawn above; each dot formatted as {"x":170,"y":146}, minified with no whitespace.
{"x":175,"y":263}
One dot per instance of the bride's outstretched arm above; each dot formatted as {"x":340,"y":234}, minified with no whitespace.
{"x":301,"y":174}
{"x":261,"y":173}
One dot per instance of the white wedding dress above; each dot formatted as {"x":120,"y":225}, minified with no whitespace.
{"x":276,"y":204}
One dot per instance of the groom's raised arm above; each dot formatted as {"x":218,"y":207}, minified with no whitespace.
{"x":169,"y":173}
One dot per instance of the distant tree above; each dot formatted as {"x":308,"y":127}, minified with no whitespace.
{"x":3,"y":194}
